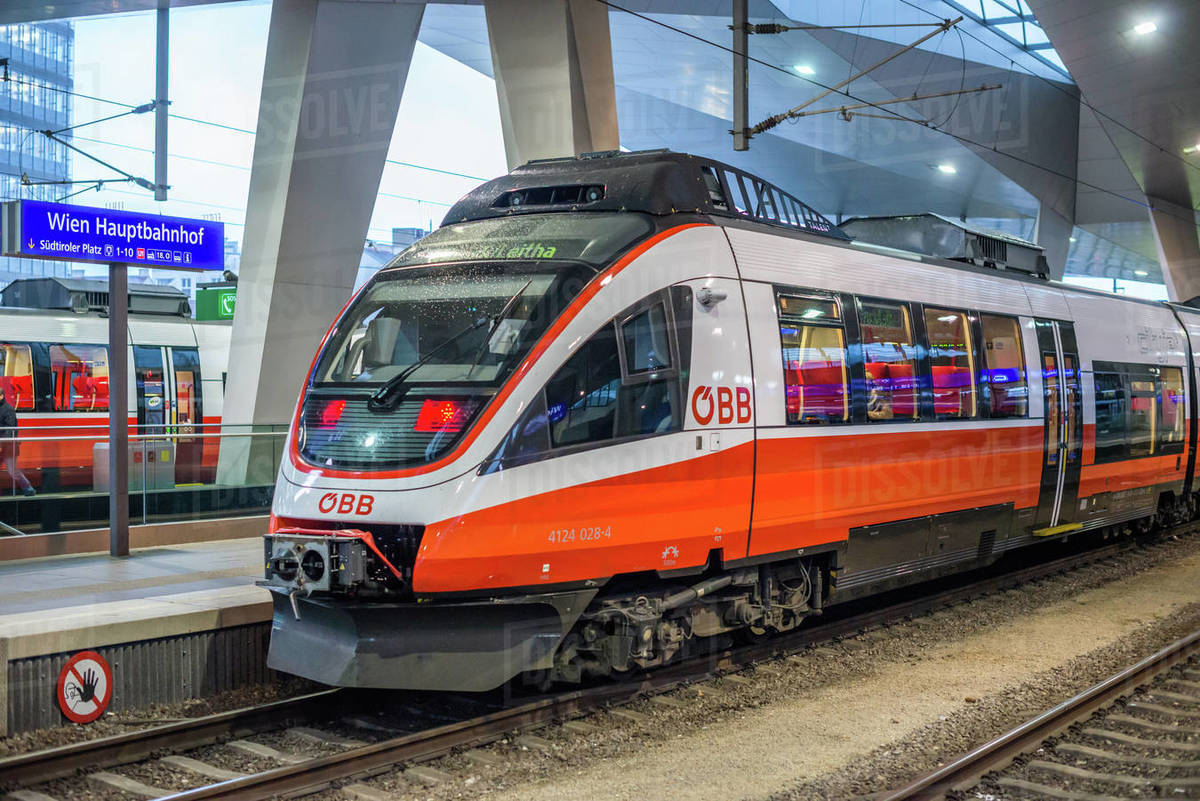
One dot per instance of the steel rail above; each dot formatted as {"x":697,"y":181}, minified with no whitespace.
{"x":317,"y":774}
{"x":965,"y":771}
{"x":54,"y":763}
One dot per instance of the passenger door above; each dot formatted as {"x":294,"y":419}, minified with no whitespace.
{"x":1063,"y":434}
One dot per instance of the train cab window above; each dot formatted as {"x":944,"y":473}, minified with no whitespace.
{"x":1003,"y":380}
{"x":1172,"y":422}
{"x":625,"y":381}
{"x":1143,"y":417}
{"x":891,"y":360}
{"x":952,"y":363}
{"x":79,"y":375}
{"x":816,"y":382}
{"x":16,"y":375}
{"x":581,"y":398}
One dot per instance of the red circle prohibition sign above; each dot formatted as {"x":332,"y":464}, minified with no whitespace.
{"x":85,"y":686}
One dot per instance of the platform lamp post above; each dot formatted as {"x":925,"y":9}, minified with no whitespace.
{"x":34,"y":229}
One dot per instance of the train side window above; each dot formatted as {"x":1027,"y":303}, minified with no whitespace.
{"x":952,"y":362}
{"x":1111,"y":420}
{"x":1171,"y":415}
{"x":79,"y":377}
{"x":816,"y":381}
{"x":647,"y":345}
{"x":16,"y":375}
{"x":1003,"y":380}
{"x":891,"y":360}
{"x":581,"y":398}
{"x":1143,"y":416}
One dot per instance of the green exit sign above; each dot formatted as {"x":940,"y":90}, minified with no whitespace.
{"x":216,"y":303}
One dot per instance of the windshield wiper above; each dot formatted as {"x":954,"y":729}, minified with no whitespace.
{"x":499,"y":318}
{"x":388,"y":396}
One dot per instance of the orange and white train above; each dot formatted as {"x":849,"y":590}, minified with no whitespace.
{"x":623,"y":402}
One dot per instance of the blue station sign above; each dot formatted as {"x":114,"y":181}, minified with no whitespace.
{"x":61,"y":231}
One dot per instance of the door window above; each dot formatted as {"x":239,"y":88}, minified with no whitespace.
{"x":188,"y":407}
{"x":151,"y":386}
{"x":1053,"y":421}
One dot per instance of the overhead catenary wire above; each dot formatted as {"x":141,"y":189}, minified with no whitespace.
{"x":957,"y":137}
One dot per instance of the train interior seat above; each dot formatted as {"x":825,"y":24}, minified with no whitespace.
{"x":952,"y":390}
{"x":816,"y":389}
{"x":18,"y":389}
{"x":896,"y":379}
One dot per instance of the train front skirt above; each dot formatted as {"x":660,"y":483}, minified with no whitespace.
{"x":466,"y":646}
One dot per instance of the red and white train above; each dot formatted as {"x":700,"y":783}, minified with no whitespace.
{"x":619,"y":402}
{"x":54,"y":371}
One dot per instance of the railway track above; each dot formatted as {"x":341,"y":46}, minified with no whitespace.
{"x":1091,"y":747}
{"x":439,"y":726}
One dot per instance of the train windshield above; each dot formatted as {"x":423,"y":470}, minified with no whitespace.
{"x":460,"y":324}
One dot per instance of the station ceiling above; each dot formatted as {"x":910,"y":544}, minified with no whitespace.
{"x":1135,"y":131}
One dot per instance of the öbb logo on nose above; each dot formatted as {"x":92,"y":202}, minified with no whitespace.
{"x":346,"y":503}
{"x":723,"y":406}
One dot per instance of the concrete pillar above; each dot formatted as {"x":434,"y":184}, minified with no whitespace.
{"x":332,"y":82}
{"x":1176,"y":238}
{"x":1053,"y":232}
{"x":554,"y":77}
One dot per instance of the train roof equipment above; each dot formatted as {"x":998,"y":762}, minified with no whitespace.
{"x":657,"y":182}
{"x":83,"y":295}
{"x":945,"y":238}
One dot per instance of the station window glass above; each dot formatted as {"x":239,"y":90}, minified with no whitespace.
{"x":952,"y":363}
{"x":891,"y":360}
{"x":1172,"y":420}
{"x":79,"y":374}
{"x":1003,"y":379}
{"x":16,"y":375}
{"x":816,"y":383}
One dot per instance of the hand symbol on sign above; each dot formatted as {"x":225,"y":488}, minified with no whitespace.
{"x":88,"y":691}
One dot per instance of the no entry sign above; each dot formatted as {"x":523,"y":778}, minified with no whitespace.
{"x":84,"y":687}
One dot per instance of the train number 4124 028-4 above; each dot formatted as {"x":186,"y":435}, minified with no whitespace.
{"x":582,"y":534}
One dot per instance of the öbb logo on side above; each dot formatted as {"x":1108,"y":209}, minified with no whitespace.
{"x":346,"y":503}
{"x":723,"y":406}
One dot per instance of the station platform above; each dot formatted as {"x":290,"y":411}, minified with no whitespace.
{"x":174,"y":622}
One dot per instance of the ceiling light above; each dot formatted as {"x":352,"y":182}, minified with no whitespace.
{"x":1140,"y":273}
{"x":1071,"y":239}
{"x":949,"y":169}
{"x":804,"y":69}
{"x":1194,"y":148}
{"x":1143,"y":28}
